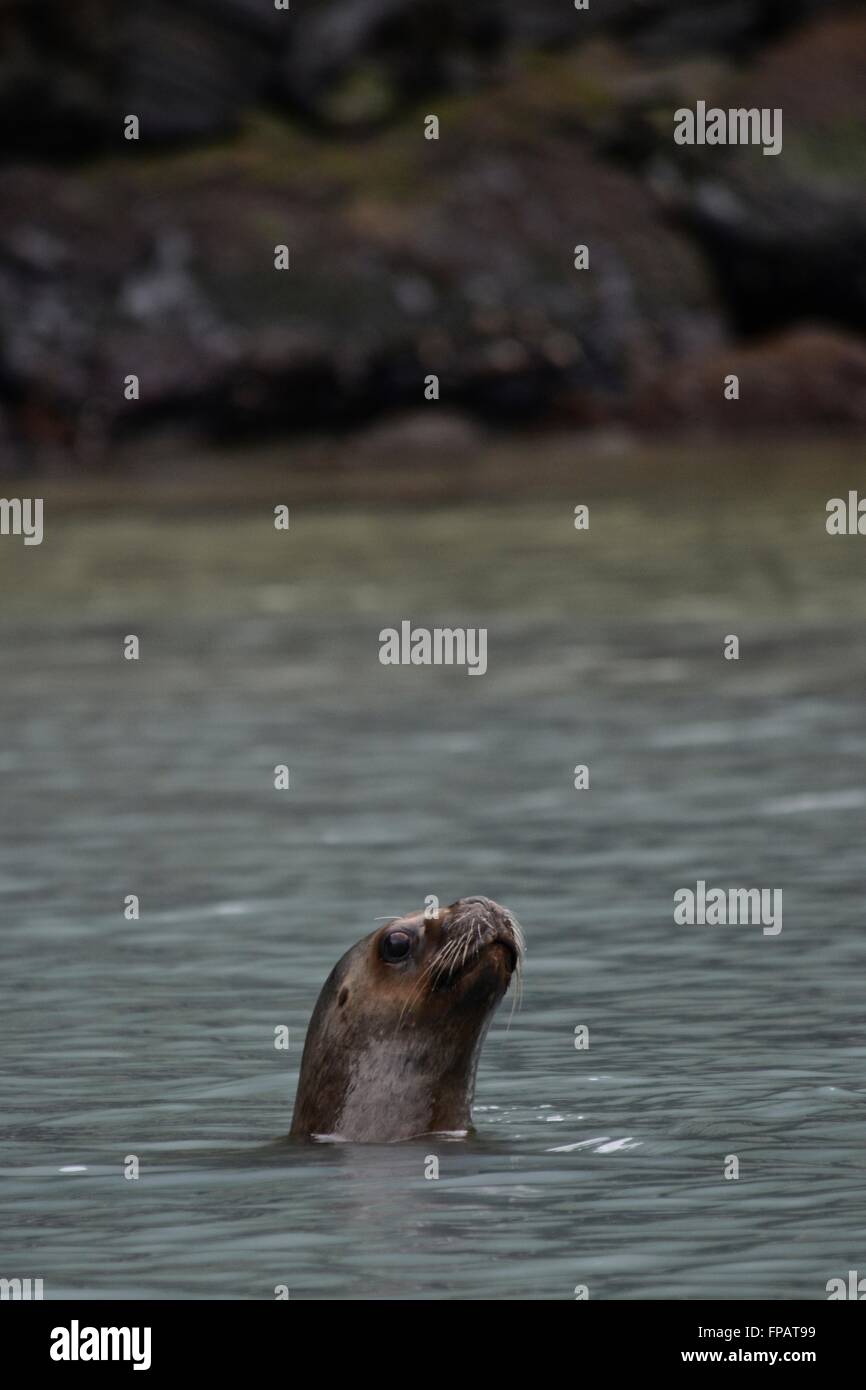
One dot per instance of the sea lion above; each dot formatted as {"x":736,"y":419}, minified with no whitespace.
{"x":393,"y":1044}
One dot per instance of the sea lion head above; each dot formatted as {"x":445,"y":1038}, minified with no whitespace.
{"x":393,"y":1044}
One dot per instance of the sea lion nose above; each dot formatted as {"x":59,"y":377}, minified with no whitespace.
{"x":487,"y":905}
{"x":491,"y":922}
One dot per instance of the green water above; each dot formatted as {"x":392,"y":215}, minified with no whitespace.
{"x":155,"y":1038}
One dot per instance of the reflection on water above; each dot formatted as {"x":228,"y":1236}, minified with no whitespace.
{"x":155,"y":1037}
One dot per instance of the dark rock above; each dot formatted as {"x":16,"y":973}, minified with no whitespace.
{"x":407,"y":258}
{"x":410,"y":257}
{"x":665,"y":28}
{"x":433,"y":433}
{"x":786,"y":235}
{"x":808,"y":378}
{"x":187,"y":76}
{"x":782,"y":252}
{"x":57,"y":66}
{"x":193,"y":69}
{"x":787,"y":75}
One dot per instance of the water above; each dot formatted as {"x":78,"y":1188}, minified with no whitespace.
{"x":155,"y":1038}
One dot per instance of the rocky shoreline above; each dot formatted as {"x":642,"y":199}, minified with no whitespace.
{"x":412,"y":258}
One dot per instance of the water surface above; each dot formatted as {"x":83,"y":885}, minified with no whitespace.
{"x":155,"y":1038}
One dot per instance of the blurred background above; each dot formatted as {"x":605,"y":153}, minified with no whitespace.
{"x":304,"y":388}
{"x":305,"y":127}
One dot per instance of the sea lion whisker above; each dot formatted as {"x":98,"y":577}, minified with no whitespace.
{"x":427,"y":971}
{"x":465,"y":948}
{"x":517,"y":995}
{"x":444,"y":960}
{"x":413,"y":998}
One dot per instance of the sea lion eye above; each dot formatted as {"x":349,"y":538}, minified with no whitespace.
{"x":396,"y":946}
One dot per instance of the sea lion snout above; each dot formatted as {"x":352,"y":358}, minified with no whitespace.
{"x":480,"y":922}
